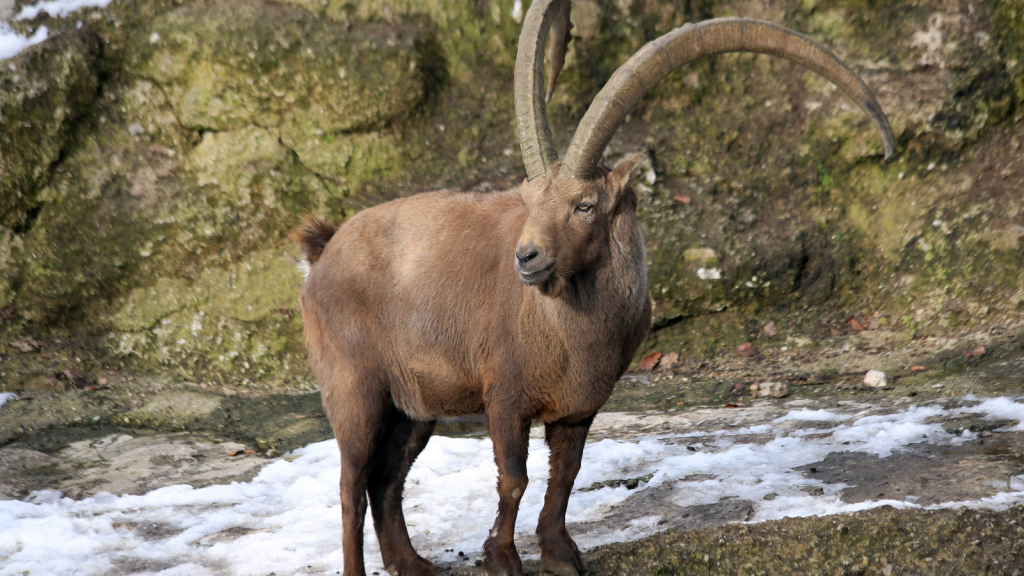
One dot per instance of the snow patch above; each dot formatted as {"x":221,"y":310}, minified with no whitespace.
{"x":1000,"y":408}
{"x":58,"y":8}
{"x":709,"y":273}
{"x":5,"y":396}
{"x":287,"y":520}
{"x":12,"y":43}
{"x":811,"y":415}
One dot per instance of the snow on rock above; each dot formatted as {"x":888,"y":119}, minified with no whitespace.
{"x":5,"y":396}
{"x":287,"y":520}
{"x":58,"y":8}
{"x":12,"y":43}
{"x":709,"y":273}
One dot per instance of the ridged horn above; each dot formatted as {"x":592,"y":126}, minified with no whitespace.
{"x":535,"y":138}
{"x":688,"y":43}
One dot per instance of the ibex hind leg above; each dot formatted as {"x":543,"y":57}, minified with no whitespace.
{"x":401,"y":440}
{"x":357,"y":413}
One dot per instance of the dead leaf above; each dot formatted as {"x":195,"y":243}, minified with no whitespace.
{"x":682,"y":198}
{"x":745,"y":349}
{"x":649,"y":361}
{"x":668,"y":361}
{"x":26,"y":396}
{"x":94,"y":387}
{"x":248,"y":452}
{"x":47,"y":355}
{"x":917,"y":369}
{"x":234,"y":453}
{"x":730,"y":405}
{"x":76,"y":378}
{"x":954,"y":306}
{"x":833,"y":353}
{"x":26,"y":344}
{"x":854,"y":323}
{"x":770,"y":330}
{"x":979,"y":351}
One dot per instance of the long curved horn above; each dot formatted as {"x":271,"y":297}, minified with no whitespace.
{"x":539,"y":152}
{"x":688,"y":43}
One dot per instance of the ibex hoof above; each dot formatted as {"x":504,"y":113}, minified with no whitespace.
{"x":562,"y":568}
{"x":561,"y":557}
{"x":501,"y":560}
{"x":417,"y":567}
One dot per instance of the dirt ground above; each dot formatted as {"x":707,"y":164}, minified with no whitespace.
{"x":131,"y":439}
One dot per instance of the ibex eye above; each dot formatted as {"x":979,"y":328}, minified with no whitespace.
{"x":585,"y":207}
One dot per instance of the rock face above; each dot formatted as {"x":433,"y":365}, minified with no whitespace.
{"x":232,"y":64}
{"x":152,"y":162}
{"x":43,"y":94}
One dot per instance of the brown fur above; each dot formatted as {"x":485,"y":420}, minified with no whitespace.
{"x":424,"y":307}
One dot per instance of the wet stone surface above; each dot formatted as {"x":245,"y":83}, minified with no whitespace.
{"x":926,"y":474}
{"x":83,"y":463}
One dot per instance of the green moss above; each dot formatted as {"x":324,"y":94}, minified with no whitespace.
{"x":234,"y":63}
{"x":879,"y":541}
{"x":98,"y":221}
{"x":44,"y":91}
{"x":218,"y":123}
{"x":230,"y":324}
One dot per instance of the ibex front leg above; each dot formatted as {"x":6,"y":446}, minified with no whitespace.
{"x":511,"y":435}
{"x":558,"y":553}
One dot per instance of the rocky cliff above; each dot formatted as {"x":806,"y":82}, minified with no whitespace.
{"x":154,"y":153}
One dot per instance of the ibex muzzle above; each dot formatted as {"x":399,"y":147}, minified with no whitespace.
{"x":536,"y":319}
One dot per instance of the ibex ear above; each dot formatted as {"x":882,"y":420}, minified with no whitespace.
{"x":624,"y":173}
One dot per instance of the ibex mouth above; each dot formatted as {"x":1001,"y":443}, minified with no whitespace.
{"x":538,"y":276}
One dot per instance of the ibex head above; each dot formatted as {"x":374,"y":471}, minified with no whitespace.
{"x":571,"y":202}
{"x":569,"y":222}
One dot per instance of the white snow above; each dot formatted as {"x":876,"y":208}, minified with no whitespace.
{"x":999,"y":408}
{"x":58,"y":8}
{"x":811,"y":415}
{"x":5,"y":396}
{"x":709,"y":273}
{"x":290,"y":513}
{"x":12,"y":43}
{"x":517,"y":11}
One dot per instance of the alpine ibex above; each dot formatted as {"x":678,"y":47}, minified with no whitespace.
{"x":526,"y":304}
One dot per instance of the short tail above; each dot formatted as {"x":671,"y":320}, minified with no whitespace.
{"x":313,"y":236}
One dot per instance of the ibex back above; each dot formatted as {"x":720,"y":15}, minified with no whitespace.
{"x":526,"y":304}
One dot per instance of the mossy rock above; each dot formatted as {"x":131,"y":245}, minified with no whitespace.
{"x":212,"y":126}
{"x":43,"y":93}
{"x":232,"y":64}
{"x":229,"y":324}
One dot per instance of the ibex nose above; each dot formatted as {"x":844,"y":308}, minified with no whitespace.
{"x":526,"y":253}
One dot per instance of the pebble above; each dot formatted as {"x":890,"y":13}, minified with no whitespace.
{"x":769,"y":389}
{"x":875,"y":379}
